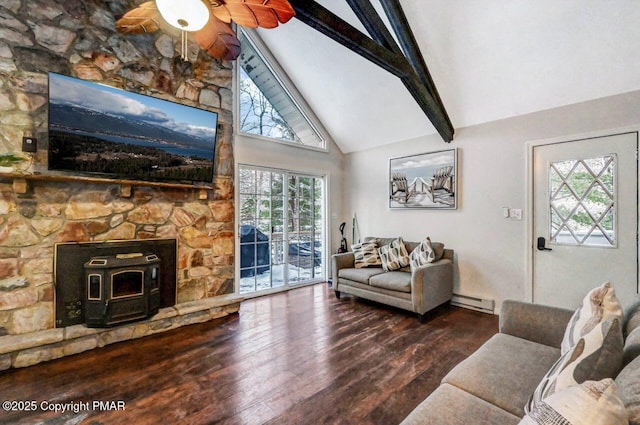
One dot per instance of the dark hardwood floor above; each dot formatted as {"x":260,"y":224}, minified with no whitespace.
{"x":299,"y":357}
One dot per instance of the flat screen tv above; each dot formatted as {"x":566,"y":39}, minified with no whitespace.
{"x":103,"y":131}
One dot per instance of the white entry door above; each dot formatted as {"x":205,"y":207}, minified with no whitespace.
{"x":585,"y":218}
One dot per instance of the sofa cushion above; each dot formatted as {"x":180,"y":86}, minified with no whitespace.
{"x":596,"y":356}
{"x":423,"y":254}
{"x":539,"y":323}
{"x":598,"y":305}
{"x":590,"y":403}
{"x":628,"y":382}
{"x":394,"y":255}
{"x":438,"y":247}
{"x":395,"y":281}
{"x":380,"y":295}
{"x":380,"y":241}
{"x":359,"y":275}
{"x":504,"y":371}
{"x":631,"y":347}
{"x":452,"y":406}
{"x":631,"y":316}
{"x":366,"y":254}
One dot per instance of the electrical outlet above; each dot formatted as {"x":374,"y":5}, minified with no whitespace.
{"x":29,"y":144}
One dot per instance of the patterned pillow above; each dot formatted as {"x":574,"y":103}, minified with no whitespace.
{"x":422,"y":254}
{"x":394,"y":256}
{"x":596,"y":356}
{"x":366,"y":254}
{"x":598,"y":305}
{"x":590,"y":403}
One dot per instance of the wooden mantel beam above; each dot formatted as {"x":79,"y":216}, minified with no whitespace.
{"x":382,"y":50}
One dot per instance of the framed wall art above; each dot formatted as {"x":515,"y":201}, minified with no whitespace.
{"x":426,"y":180}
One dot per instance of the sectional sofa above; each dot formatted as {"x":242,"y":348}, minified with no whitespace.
{"x":493,"y":385}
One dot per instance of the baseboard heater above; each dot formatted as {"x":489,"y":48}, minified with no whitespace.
{"x":473,"y":303}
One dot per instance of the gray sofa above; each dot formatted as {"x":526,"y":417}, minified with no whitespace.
{"x":419,"y":291}
{"x":492,"y":386}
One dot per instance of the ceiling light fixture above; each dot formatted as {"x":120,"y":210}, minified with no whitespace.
{"x":209,"y":20}
{"x":186,"y":15}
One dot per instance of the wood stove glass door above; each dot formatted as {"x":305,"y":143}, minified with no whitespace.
{"x":127,"y":284}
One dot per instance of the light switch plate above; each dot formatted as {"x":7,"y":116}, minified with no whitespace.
{"x":515,"y":213}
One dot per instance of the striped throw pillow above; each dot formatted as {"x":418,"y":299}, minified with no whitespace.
{"x":394,"y":255}
{"x":590,"y":403}
{"x":598,"y":305}
{"x":366,"y":254}
{"x":422,"y":254}
{"x":596,"y":356}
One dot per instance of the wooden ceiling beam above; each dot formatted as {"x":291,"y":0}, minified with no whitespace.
{"x":374,"y":25}
{"x":382,"y":50}
{"x":429,"y":102}
{"x":334,"y":27}
{"x":409,"y":45}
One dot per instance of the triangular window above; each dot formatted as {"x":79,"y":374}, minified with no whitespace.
{"x":267,"y":108}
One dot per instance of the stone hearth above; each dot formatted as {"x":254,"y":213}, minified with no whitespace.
{"x":29,"y":349}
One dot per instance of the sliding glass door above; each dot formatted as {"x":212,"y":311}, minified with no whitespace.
{"x":281,"y":229}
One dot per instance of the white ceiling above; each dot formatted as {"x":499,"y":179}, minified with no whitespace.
{"x":490,"y":59}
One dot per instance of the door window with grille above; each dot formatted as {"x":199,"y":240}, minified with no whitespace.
{"x":582,"y":201}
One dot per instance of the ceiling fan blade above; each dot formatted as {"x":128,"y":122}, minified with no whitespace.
{"x":253,"y":13}
{"x":219,"y":40}
{"x":144,"y":18}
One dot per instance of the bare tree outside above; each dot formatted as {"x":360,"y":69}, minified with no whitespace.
{"x":257,"y":114}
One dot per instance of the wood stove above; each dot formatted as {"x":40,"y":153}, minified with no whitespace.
{"x":121,"y":288}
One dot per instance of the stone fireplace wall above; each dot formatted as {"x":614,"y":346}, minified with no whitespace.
{"x":79,"y":39}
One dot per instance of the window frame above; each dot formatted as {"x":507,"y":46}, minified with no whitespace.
{"x":287,"y":86}
{"x":614,"y":207}
{"x":323,"y":211}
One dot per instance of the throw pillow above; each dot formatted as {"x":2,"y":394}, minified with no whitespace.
{"x":366,"y":254}
{"x":590,"y":403}
{"x":422,"y":254}
{"x":394,"y":256}
{"x":598,"y":305}
{"x":596,"y":356}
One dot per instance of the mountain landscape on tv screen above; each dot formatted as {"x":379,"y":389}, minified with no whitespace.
{"x":89,"y":141}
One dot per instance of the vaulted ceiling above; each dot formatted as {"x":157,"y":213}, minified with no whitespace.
{"x":489,"y":59}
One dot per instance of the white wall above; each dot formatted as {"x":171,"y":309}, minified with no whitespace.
{"x":491,"y":251}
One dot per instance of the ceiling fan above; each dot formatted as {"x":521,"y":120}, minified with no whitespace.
{"x":209,"y":20}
